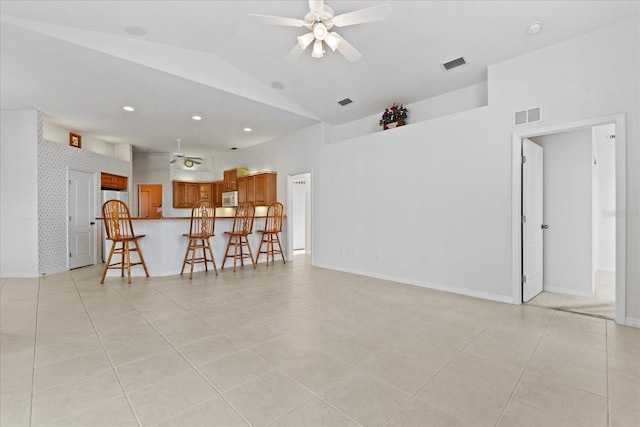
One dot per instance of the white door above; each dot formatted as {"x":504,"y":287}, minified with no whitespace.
{"x":81,"y":219}
{"x":299,"y":214}
{"x":532,"y":221}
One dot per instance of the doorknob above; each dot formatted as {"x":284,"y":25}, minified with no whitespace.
{"x":544,"y":226}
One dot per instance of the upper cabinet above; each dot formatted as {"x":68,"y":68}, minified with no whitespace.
{"x":113,"y":182}
{"x":185,"y":194}
{"x":259,"y":188}
{"x":230,"y":180}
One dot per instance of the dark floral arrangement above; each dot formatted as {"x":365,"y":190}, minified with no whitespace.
{"x":394,"y":114}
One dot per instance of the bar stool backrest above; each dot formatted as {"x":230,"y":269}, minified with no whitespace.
{"x":273,"y":222}
{"x":203,"y":219}
{"x":117,"y":220}
{"x":243,"y":219}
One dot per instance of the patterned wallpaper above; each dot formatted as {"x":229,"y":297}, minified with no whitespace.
{"x":54,"y":162}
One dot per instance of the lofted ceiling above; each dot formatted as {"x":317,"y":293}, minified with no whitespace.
{"x":76,"y":62}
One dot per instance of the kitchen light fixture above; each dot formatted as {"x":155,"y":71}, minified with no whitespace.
{"x":128,"y":108}
{"x":196,"y":118}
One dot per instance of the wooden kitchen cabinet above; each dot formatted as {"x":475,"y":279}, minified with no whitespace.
{"x":259,"y":188}
{"x":266,"y":185}
{"x":113,"y":182}
{"x":206,"y":192}
{"x":185,"y":194}
{"x":216,"y":193}
{"x":246,"y":192}
{"x":230,"y":178}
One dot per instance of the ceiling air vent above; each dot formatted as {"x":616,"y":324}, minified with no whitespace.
{"x":527,"y":116}
{"x":453,"y":64}
{"x":345,"y":102}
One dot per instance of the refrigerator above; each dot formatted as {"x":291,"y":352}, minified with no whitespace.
{"x":110,"y":195}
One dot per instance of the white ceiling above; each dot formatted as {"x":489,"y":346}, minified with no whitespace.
{"x":73,"y":61}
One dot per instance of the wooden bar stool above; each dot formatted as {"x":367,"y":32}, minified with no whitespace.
{"x":272,"y":228}
{"x":117,"y":223}
{"x":203,"y":218}
{"x":238,"y":236}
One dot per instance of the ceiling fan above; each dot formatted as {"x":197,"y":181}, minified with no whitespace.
{"x":188,"y":160}
{"x":319,"y":21}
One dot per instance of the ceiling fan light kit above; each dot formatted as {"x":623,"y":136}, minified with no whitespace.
{"x":319,"y":22}
{"x":188,"y":161}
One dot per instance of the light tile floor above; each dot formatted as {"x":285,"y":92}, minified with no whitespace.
{"x":296,"y":345}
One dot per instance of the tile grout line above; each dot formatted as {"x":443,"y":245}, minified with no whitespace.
{"x":35,"y":346}
{"x":524,"y":369}
{"x":606,"y":354}
{"x":113,"y":368}
{"x":183,"y":357}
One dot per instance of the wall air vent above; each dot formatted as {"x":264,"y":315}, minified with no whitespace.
{"x":527,"y":116}
{"x":453,"y":64}
{"x":345,"y":102}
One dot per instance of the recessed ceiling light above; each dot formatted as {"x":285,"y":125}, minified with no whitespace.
{"x":128,"y":108}
{"x":277,"y":85}
{"x":196,"y":118}
{"x":248,"y":129}
{"x":135,"y":30}
{"x":534,"y":27}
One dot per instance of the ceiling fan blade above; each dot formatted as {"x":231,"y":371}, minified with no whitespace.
{"x":277,"y":20}
{"x":175,"y":159}
{"x":294,"y":54}
{"x":195,"y":158}
{"x":316,"y":6}
{"x":370,"y":14}
{"x":196,"y":161}
{"x":351,"y":53}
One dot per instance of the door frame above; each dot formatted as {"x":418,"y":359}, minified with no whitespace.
{"x":308,"y":226}
{"x":621,"y":202}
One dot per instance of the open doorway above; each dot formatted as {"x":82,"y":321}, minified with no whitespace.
{"x":299,"y":224}
{"x":150,"y":201}
{"x":578,"y":229}
{"x":613,"y":217}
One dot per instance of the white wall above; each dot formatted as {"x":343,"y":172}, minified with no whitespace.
{"x":58,"y":134}
{"x":595,"y":75}
{"x":568,"y":212}
{"x":18,"y":198}
{"x":467,"y":98}
{"x":606,"y":209}
{"x":448,"y":224}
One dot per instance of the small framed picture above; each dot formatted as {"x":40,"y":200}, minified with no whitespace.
{"x":75,"y":140}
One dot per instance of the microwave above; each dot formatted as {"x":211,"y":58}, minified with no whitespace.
{"x":230,"y":199}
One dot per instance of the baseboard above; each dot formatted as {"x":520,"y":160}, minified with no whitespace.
{"x":633,"y":322}
{"x":557,"y":290}
{"x":425,"y":284}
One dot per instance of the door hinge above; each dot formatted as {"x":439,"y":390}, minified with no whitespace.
{"x":69,"y":218}
{"x":524,"y":159}
{"x":69,"y":254}
{"x":524,"y":279}
{"x":524,"y":218}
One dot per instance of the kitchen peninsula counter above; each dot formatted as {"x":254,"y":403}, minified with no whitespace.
{"x":164,"y":245}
